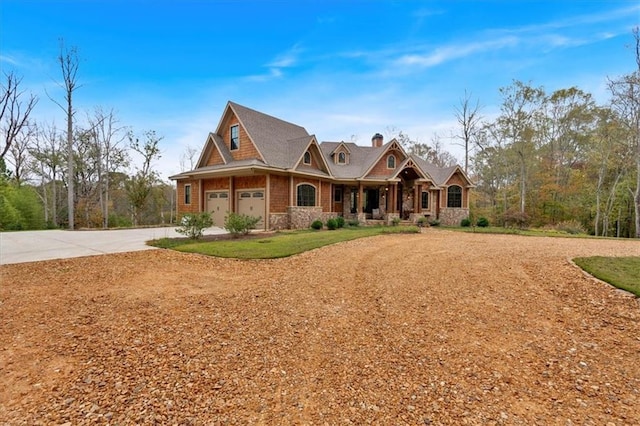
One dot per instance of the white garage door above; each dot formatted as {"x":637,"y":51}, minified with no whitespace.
{"x":218,"y":206}
{"x":252,"y":203}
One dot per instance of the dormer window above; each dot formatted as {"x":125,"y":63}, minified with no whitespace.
{"x":342,"y":158}
{"x":235,"y":137}
{"x":391,"y":162}
{"x":307,"y":158}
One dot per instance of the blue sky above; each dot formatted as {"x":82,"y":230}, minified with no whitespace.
{"x":342,"y":69}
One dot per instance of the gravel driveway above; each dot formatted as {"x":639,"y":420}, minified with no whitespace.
{"x":424,"y":329}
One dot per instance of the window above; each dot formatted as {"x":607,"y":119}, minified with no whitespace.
{"x":307,"y":158}
{"x":454,"y":196}
{"x":337,"y":195}
{"x":235,"y":137}
{"x":425,"y":200}
{"x":306,"y":195}
{"x":342,"y":158}
{"x":391,"y":162}
{"x":187,"y":194}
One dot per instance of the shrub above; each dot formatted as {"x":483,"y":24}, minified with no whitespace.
{"x":395,"y":221}
{"x":513,"y":218}
{"x":353,"y":222}
{"x":240,"y":224}
{"x":332,"y":224}
{"x":483,"y":222}
{"x":422,"y":221}
{"x":571,"y":227}
{"x":466,"y":222}
{"x":434,"y":222}
{"x":316,"y":224}
{"x":193,"y":225}
{"x":340,"y":221}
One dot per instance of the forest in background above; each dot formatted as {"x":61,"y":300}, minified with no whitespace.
{"x":546,"y":159}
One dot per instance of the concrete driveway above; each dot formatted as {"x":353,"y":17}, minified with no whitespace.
{"x":30,"y":246}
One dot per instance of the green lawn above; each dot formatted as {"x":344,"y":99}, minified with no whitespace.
{"x":280,"y":244}
{"x":621,"y":272}
{"x":532,"y":232}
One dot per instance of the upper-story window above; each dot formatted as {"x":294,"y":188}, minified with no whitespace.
{"x":307,"y":158}
{"x":391,"y":162}
{"x":342,"y":158}
{"x":235,"y":137}
{"x":454,"y":196}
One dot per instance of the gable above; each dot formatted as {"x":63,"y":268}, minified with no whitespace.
{"x":317,"y":161}
{"x":456,"y":179}
{"x":381,"y":167}
{"x":246,"y":149}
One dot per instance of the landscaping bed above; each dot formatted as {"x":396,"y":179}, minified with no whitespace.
{"x":432,"y":328}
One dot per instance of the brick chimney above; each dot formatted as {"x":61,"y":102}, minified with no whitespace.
{"x":376,"y":140}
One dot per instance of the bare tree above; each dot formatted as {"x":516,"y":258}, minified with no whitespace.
{"x":47,"y":151}
{"x":14,"y":114}
{"x":469,"y":118}
{"x":110,"y":155}
{"x":19,"y":156}
{"x":626,"y":102}
{"x":68,"y":60}
{"x":188,"y":158}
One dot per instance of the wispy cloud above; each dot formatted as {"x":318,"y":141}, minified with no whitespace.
{"x":9,"y":60}
{"x":454,"y":51}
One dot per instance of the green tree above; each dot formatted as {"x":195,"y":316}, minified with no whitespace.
{"x":140,"y":185}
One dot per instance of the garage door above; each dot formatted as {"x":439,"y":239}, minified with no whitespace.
{"x":218,"y":206}
{"x":252,"y":203}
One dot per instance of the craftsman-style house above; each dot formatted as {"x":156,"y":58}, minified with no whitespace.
{"x":260,"y":165}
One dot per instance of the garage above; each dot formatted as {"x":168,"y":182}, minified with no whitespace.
{"x":218,"y":206}
{"x":252,"y":203}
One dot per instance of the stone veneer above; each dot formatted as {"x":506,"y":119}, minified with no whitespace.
{"x":278,"y":221}
{"x":301,"y":217}
{"x":452,"y":216}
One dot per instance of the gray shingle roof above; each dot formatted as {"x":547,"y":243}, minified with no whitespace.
{"x":271,"y":134}
{"x":360,"y":159}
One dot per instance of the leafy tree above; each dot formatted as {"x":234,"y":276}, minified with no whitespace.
{"x":139,"y":186}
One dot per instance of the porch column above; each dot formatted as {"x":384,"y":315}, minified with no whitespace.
{"x":394,"y":197}
{"x":418,"y":201}
{"x":360,"y":197}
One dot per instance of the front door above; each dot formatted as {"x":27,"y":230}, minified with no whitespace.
{"x":371,"y":200}
{"x":338,"y":207}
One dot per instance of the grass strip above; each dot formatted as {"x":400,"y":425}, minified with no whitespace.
{"x":280,"y":244}
{"x":621,"y":272}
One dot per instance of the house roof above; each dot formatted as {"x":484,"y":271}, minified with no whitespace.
{"x":282,"y":144}
{"x":269,"y":134}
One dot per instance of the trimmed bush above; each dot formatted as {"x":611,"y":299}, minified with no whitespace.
{"x":434,"y":222}
{"x":395,"y":221}
{"x":353,"y":222}
{"x":483,"y":222}
{"x":332,"y":224}
{"x":316,"y":224}
{"x":240,"y":224}
{"x":340,"y":221}
{"x":193,"y":225}
{"x":422,"y":222}
{"x":466,"y":222}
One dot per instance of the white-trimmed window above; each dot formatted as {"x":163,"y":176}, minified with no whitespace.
{"x":454,"y":196}
{"x":187,"y":193}
{"x":307,"y":158}
{"x":235,"y":137}
{"x":306,"y":195}
{"x":342,"y":158}
{"x":391,"y":162}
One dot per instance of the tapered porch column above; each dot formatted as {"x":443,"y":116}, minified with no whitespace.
{"x":394,"y":197}
{"x":416,"y":198}
{"x":360,"y":197}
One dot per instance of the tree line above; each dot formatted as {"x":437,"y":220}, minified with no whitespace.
{"x":94,"y":173}
{"x":552,"y":158}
